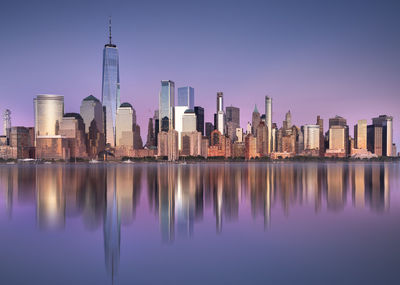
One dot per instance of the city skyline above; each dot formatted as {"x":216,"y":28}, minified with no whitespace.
{"x":314,"y":77}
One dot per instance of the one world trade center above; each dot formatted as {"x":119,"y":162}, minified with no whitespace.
{"x":110,"y":89}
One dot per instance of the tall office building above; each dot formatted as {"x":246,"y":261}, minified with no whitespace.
{"x":209,"y":128}
{"x":166,"y":106}
{"x":268,"y":120}
{"x":360,"y":134}
{"x":338,"y":121}
{"x":199,"y":111}
{"x":320,"y":123}
{"x":72,"y":130}
{"x":186,"y":97}
{"x":150,"y":134}
{"x":233,"y":115}
{"x":179,"y":111}
{"x":6,"y":123}
{"x":125,"y":125}
{"x":287,"y":123}
{"x":49,"y":111}
{"x":110,"y":88}
{"x":189,"y":121}
{"x":232,"y":121}
{"x":255,"y":121}
{"x":337,"y":138}
{"x":386,"y":123}
{"x":91,"y":110}
{"x":220,"y":115}
{"x":311,"y":137}
{"x":156,"y":119}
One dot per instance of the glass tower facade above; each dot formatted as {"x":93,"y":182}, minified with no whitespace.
{"x":49,"y":111}
{"x":110,"y":89}
{"x":186,"y":97}
{"x":166,"y":105}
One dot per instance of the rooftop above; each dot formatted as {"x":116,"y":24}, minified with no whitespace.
{"x":91,"y":98}
{"x":125,"y":105}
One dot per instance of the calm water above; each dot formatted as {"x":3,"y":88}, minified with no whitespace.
{"x":238,"y":223}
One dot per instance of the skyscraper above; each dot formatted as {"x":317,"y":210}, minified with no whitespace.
{"x":110,"y":88}
{"x":179,"y":111}
{"x":233,"y":115}
{"x":220,"y":115}
{"x":166,"y":106}
{"x":125,"y":125}
{"x":91,"y":110}
{"x":232,"y":121}
{"x":6,"y":123}
{"x":386,"y":123}
{"x":49,"y":111}
{"x":186,"y":97}
{"x":320,"y":122}
{"x":209,"y":128}
{"x":255,"y":121}
{"x":268,"y":120}
{"x":287,"y":123}
{"x":150,"y":134}
{"x":360,"y":134}
{"x":338,"y":137}
{"x":199,"y":111}
{"x":311,"y":137}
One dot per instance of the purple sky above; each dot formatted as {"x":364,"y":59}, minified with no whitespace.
{"x":312,"y":57}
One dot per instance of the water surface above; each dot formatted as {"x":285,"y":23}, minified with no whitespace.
{"x":206,"y":223}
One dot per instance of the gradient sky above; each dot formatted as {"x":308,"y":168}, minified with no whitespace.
{"x":312,"y":57}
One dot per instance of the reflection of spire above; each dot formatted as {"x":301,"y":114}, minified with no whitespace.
{"x":112,"y":226}
{"x":9,"y":194}
{"x":218,"y":203}
{"x":267,"y":205}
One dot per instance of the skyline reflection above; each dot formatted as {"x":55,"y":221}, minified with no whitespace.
{"x":181,"y":193}
{"x":109,"y":197}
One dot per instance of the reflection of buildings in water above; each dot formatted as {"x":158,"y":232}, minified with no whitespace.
{"x":128,"y":184}
{"x":166,"y":200}
{"x":7,"y":181}
{"x":268,"y":194}
{"x":260,"y":183}
{"x":50,"y":197}
{"x":93,"y":196}
{"x":178,"y":190}
{"x":288,"y":182}
{"x":112,"y":224}
{"x":218,"y":175}
{"x":358,"y":185}
{"x":152,"y":186}
{"x":74,"y":179}
{"x":370,"y":186}
{"x":185,"y":200}
{"x":17,"y":184}
{"x":336,"y":178}
{"x":225,"y":193}
{"x":310,"y":184}
{"x":377,"y":186}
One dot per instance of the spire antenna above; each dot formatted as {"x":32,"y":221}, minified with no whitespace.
{"x":109,"y":27}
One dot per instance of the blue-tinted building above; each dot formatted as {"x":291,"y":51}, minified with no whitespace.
{"x":166,"y":105}
{"x":186,"y":97}
{"x":110,"y":89}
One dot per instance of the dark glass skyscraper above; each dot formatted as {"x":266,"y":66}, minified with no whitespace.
{"x":199,"y":111}
{"x":110,"y":89}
